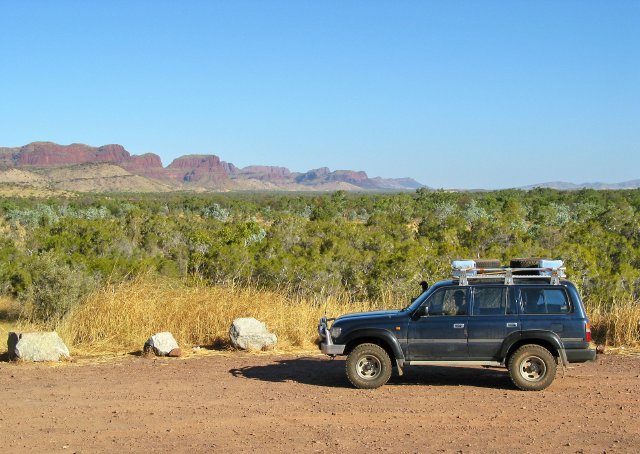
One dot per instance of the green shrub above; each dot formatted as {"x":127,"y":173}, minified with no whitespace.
{"x":56,"y":286}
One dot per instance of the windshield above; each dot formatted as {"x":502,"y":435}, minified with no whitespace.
{"x":424,"y":295}
{"x":416,"y":302}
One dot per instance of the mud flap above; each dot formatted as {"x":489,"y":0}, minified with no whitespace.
{"x":562,"y":361}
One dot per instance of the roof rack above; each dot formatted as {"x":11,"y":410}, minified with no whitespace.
{"x":553,"y":275}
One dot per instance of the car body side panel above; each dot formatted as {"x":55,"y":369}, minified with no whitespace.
{"x":438,"y":338}
{"x":488,"y":332}
{"x":534,"y":335}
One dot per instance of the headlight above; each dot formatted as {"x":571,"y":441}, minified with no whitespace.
{"x":335,"y":332}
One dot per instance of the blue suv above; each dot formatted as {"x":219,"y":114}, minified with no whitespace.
{"x":528,"y":320}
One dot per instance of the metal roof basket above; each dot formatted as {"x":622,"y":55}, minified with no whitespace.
{"x":466,"y":273}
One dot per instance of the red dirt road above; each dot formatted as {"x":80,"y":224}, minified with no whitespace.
{"x":254,"y":403}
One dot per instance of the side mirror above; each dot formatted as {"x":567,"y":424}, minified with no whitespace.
{"x":421,"y":312}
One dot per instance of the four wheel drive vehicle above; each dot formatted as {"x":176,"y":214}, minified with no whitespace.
{"x":528,"y":320}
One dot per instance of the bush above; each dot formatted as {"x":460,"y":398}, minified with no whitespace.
{"x":55,"y":287}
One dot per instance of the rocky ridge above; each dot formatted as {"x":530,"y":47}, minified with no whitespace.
{"x":199,"y":172}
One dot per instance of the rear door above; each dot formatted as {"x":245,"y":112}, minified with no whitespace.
{"x":441,"y":332}
{"x":493,"y":317}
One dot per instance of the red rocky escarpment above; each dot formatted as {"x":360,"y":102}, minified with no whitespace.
{"x":148,"y":165}
{"x":348,"y":176}
{"x":324,"y":175}
{"x":205,"y":171}
{"x":45,"y":154}
{"x":202,"y":169}
{"x":267,"y":173}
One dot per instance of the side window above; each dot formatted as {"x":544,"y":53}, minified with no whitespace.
{"x":448,"y":301}
{"x":556,"y":301}
{"x":491,"y":301}
{"x":544,"y":301}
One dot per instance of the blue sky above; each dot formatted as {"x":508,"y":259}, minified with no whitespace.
{"x":461,"y":94}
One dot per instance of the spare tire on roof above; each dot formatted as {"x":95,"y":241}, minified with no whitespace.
{"x":488,"y":263}
{"x":526,"y":262}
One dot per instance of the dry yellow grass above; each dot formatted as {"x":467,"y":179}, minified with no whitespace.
{"x":121,"y":318}
{"x":616,"y":324}
{"x":7,"y":317}
{"x":25,"y":191}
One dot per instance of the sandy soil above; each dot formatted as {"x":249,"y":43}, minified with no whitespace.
{"x":255,"y":403}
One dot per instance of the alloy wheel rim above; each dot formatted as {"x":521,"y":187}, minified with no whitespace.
{"x":532,"y":368}
{"x":368,"y":367}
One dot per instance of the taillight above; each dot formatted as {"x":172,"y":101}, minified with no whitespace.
{"x":587,"y":332}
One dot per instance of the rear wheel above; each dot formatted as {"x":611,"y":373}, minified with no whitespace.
{"x":532,"y":368}
{"x":368,"y":366}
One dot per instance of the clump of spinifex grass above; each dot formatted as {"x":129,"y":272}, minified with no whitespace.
{"x":120,"y":318}
{"x":616,"y":323}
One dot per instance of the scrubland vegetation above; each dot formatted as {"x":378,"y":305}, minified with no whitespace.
{"x":108,"y":270}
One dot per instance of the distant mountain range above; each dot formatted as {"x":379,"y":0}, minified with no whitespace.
{"x":111,"y":168}
{"x":563,"y":185}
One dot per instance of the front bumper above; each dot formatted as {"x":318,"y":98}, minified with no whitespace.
{"x":326,"y":342}
{"x":332,"y":349}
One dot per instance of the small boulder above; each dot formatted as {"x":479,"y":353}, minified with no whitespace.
{"x":162,"y":344}
{"x":251,"y":334}
{"x":37,"y":346}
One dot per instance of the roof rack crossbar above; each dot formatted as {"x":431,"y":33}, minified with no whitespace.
{"x":551,"y":274}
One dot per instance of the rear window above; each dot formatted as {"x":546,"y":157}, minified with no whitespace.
{"x":544,"y":301}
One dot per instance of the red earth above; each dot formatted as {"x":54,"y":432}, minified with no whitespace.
{"x":238,"y":402}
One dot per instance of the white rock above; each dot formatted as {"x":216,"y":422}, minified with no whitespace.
{"x":38,"y":346}
{"x":161,"y":343}
{"x":251,"y":334}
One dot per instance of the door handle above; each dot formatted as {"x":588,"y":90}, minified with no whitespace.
{"x":458,"y":325}
{"x":512,"y":325}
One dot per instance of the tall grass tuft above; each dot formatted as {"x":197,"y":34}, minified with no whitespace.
{"x":121,"y":317}
{"x":615,"y":324}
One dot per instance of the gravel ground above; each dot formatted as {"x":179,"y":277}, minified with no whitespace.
{"x":240,"y":402}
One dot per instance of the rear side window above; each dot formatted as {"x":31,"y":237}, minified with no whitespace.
{"x":544,"y":301}
{"x":491,"y":301}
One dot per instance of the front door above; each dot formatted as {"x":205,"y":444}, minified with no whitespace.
{"x":439,"y":329}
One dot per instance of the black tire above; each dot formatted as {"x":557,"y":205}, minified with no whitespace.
{"x":488,"y":263}
{"x":368,"y":366}
{"x":528,"y":262}
{"x":532,"y":368}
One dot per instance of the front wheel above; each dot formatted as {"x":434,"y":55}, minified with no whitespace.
{"x":368,"y":366}
{"x":532,"y":368}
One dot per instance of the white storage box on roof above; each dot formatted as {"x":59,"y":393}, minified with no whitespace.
{"x":552,"y":265}
{"x":463,"y":265}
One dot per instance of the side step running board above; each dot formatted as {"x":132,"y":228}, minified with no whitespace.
{"x":454,"y":363}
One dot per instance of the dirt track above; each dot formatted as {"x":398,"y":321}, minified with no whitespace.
{"x":243,"y":403}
